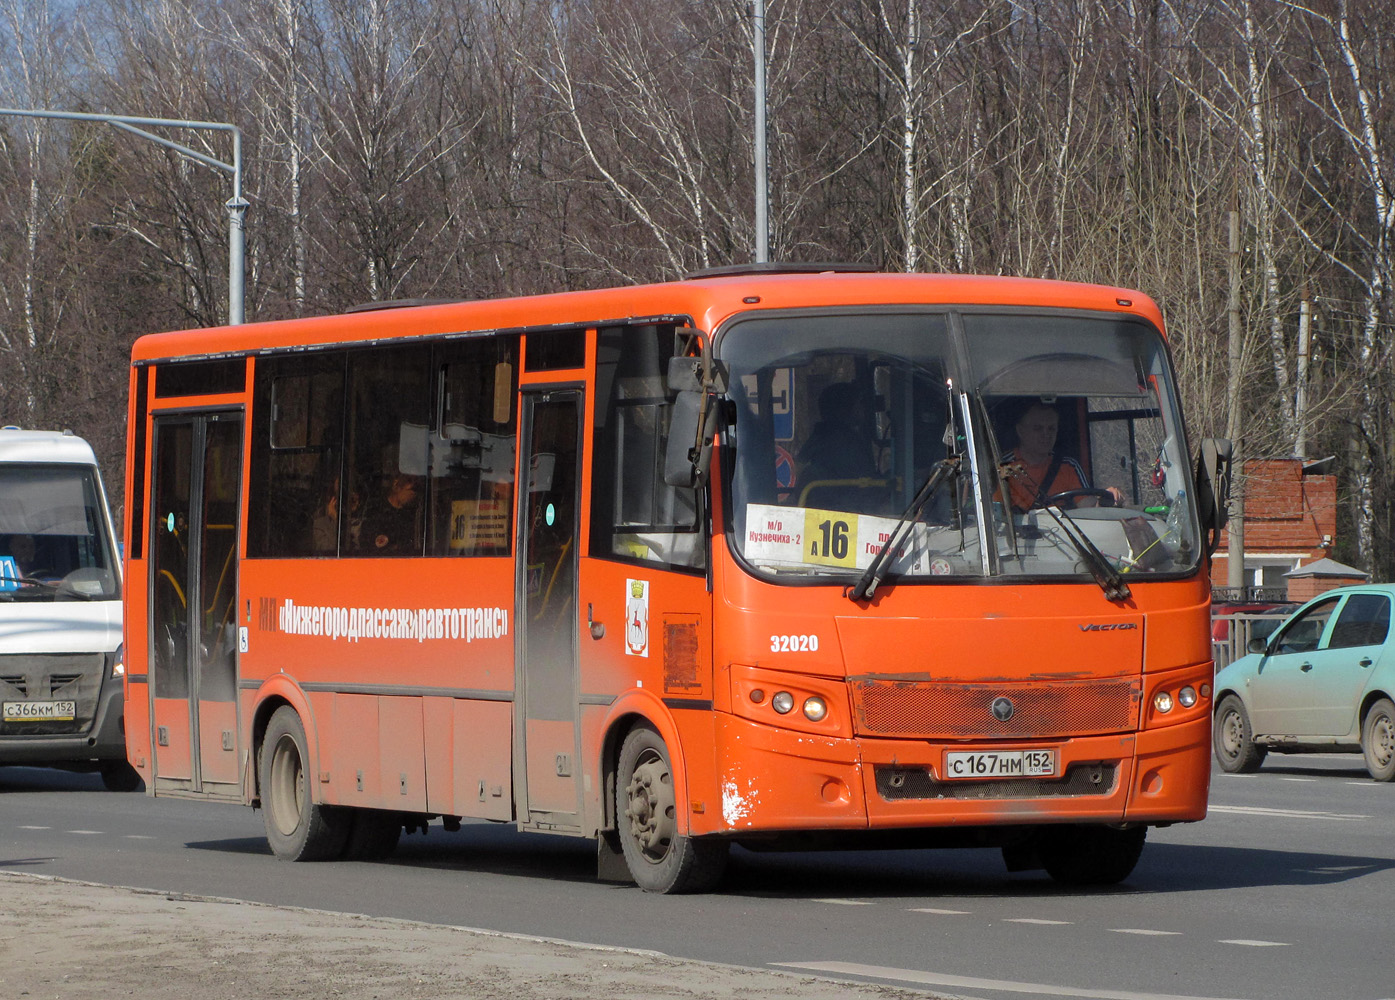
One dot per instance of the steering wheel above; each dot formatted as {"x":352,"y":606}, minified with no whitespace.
{"x":1105,"y":498}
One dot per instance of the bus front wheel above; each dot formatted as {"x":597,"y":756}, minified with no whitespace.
{"x":1091,"y":855}
{"x":646,"y":816}
{"x":297,"y":828}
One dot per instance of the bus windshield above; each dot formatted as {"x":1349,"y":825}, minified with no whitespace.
{"x":1059,"y":435}
{"x":53,"y":537}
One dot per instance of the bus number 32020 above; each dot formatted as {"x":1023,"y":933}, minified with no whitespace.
{"x":794,"y":643}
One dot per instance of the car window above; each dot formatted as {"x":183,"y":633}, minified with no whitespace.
{"x":1303,"y":634}
{"x":1364,"y":621}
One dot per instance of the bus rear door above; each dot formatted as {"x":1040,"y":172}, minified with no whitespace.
{"x":547,"y":739}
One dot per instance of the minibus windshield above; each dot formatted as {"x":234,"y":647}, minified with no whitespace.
{"x":1067,"y":458}
{"x":53,"y":535}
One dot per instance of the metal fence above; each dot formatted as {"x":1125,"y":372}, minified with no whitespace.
{"x":1230,"y":634}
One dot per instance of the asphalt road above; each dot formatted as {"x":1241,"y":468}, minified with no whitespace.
{"x":1283,"y":893}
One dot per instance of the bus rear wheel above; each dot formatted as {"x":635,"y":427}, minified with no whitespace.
{"x":297,"y":828}
{"x":373,"y":834}
{"x":1091,"y":855}
{"x":646,"y":814}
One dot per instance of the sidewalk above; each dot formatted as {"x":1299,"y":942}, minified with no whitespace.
{"x":61,"y":940}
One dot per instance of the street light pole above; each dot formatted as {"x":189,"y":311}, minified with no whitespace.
{"x":236,"y":205}
{"x":762,"y":193}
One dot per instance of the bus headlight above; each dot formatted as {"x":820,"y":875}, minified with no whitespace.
{"x":1162,"y":701}
{"x":1187,"y":696}
{"x":783,"y":702}
{"x":815,"y":709}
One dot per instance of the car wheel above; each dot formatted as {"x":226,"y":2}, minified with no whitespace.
{"x":646,"y":815}
{"x":1378,"y":740}
{"x":297,"y":828}
{"x":1091,"y":855}
{"x":1234,"y":743}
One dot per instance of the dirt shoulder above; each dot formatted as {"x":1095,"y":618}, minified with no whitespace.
{"x":61,"y":940}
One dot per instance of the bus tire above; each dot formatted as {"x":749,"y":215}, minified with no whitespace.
{"x":1378,"y":740}
{"x":373,"y":834}
{"x":297,"y":828}
{"x":1091,"y":855}
{"x":120,"y":776}
{"x":646,"y":817}
{"x":1233,"y":740}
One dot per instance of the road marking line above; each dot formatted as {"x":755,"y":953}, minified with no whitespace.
{"x":139,"y":836}
{"x":1142,"y":930}
{"x":843,"y":902}
{"x":1284,"y":813}
{"x":976,"y":983}
{"x":86,"y":833}
{"x":36,"y":828}
{"x":1033,"y":920}
{"x":1298,"y":779}
{"x":931,"y":909}
{"x":1255,"y":944}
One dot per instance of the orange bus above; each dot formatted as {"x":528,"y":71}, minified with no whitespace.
{"x":766,"y":556}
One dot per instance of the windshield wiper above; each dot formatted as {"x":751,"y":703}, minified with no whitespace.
{"x":876,"y":570}
{"x":1105,"y":575}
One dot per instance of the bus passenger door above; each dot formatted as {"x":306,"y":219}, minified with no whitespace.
{"x":547,"y":741}
{"x":193,"y":640}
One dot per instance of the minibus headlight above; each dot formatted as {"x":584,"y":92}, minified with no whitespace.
{"x":1187,"y":696}
{"x":1162,"y":701}
{"x":783,"y":702}
{"x":815,"y":709}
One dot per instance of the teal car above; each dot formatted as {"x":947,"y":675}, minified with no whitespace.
{"x":1323,"y":681}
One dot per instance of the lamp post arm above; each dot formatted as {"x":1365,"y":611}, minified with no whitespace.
{"x":193,"y":154}
{"x":236,"y":205}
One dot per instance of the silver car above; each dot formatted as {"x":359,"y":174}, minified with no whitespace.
{"x":1323,"y":681}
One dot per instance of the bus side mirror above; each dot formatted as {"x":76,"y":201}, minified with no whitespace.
{"x":686,"y":457}
{"x":685,"y":375}
{"x":1213,"y":488}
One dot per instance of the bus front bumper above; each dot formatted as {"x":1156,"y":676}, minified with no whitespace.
{"x":778,"y":780}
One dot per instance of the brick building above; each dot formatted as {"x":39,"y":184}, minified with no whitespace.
{"x":1290,"y":522}
{"x":1311,"y":579}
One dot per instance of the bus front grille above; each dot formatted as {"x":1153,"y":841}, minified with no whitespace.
{"x":916,"y":709}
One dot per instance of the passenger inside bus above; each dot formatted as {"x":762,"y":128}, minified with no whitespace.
{"x":391,"y":526}
{"x":840,"y":459}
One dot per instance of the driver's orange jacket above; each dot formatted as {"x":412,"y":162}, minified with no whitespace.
{"x":1025,"y":486}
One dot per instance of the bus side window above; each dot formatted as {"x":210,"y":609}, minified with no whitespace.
{"x":472,"y":447}
{"x":634,"y":513}
{"x":388,"y":412}
{"x":297,"y":441}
